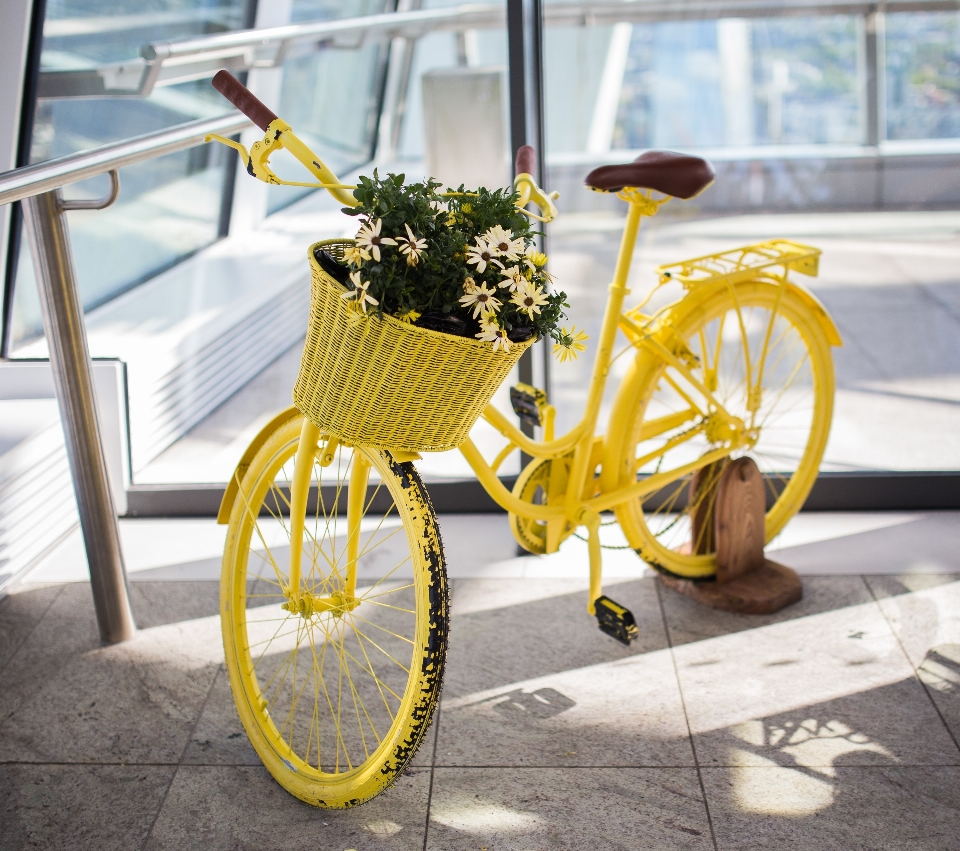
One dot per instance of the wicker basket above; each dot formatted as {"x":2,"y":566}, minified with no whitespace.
{"x":385,"y":383}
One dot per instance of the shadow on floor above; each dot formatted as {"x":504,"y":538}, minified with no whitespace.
{"x":807,"y":728}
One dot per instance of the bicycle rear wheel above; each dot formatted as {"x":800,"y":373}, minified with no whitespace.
{"x":777,"y":379}
{"x":336,"y":702}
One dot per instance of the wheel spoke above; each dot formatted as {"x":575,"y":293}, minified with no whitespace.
{"x":335,"y":690}
{"x":760,"y":330}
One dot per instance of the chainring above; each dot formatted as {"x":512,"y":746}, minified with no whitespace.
{"x":532,"y":486}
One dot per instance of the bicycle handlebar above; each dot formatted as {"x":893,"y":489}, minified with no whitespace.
{"x":526,"y":161}
{"x":282,"y":136}
{"x":243,"y":99}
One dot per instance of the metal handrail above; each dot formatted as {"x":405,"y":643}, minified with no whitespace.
{"x":38,"y":187}
{"x":165,"y":63}
{"x":43,"y":177}
{"x":388,"y":25}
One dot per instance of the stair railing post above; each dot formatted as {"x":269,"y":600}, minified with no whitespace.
{"x":45,"y":220}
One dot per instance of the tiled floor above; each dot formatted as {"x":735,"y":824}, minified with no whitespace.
{"x":831,"y":725}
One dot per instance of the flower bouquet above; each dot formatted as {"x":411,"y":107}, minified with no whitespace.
{"x":417,"y":321}
{"x":463,"y":263}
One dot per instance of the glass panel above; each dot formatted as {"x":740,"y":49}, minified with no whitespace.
{"x":923,"y":75}
{"x":703,"y":84}
{"x":454,"y":126}
{"x":168,"y":207}
{"x":806,"y":80}
{"x":330,"y":98}
{"x":778,"y":104}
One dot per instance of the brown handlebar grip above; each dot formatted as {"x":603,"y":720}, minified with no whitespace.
{"x":526,"y":160}
{"x":243,"y":99}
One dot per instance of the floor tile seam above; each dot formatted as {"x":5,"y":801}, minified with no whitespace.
{"x":433,"y":769}
{"x":90,"y":763}
{"x":591,"y":767}
{"x":686,"y":716}
{"x":483,"y":766}
{"x":186,"y":745}
{"x":865,"y":767}
{"x":916,"y":671}
{"x":32,"y":629}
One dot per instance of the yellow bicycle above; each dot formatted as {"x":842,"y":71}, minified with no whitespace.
{"x":334,"y":594}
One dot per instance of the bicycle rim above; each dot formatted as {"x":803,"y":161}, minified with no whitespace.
{"x":792,"y":362}
{"x":335,"y":704}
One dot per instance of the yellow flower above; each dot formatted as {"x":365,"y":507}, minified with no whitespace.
{"x":411,"y":246}
{"x":355,"y":255}
{"x":529,"y":299}
{"x":490,"y":332}
{"x":409,"y":316}
{"x":571,"y":343}
{"x":369,"y":238}
{"x":537,"y":258}
{"x":482,"y":300}
{"x":359,"y":295}
{"x":469,"y":284}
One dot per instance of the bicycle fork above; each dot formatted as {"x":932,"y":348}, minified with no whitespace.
{"x":300,"y":598}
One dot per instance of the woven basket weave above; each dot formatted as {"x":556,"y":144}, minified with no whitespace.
{"x":385,"y":383}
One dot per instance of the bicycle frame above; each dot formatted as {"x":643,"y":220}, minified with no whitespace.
{"x":578,"y":508}
{"x":581,"y":439}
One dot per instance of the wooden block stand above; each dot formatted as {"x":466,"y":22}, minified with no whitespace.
{"x":746,"y":581}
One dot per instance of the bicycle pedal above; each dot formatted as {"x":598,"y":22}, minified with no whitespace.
{"x":527,"y":403}
{"x":615,"y":620}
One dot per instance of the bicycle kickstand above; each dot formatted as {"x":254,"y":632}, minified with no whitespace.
{"x":615,"y":620}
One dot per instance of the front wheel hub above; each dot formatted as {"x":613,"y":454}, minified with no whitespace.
{"x":307,"y":605}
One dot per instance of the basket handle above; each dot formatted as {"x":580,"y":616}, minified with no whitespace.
{"x":243,"y":99}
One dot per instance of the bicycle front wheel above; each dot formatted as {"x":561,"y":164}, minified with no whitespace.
{"x":336,"y":701}
{"x":764,"y":356}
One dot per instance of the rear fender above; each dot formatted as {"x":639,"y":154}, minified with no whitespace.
{"x":823,"y":317}
{"x":808,"y":298}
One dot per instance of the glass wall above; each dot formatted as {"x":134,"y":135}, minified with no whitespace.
{"x":810,"y":141}
{"x":168,"y":207}
{"x":332,"y":97}
{"x":923,"y":76}
{"x":835,"y":130}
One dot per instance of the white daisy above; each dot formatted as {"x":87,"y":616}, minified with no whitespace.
{"x":503,"y":243}
{"x":482,"y":299}
{"x":411,"y":246}
{"x":513,"y":278}
{"x":490,"y":332}
{"x":529,"y":299}
{"x":481,"y":255}
{"x":369,"y":238}
{"x":359,"y":294}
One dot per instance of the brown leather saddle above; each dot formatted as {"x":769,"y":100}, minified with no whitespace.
{"x":678,"y":175}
